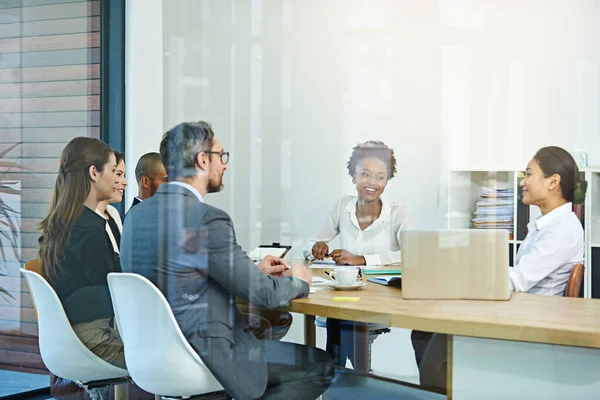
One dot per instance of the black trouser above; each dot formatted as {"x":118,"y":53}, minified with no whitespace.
{"x":296,"y":372}
{"x":338,"y":351}
{"x":431,"y":354}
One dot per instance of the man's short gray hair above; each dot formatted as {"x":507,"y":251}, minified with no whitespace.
{"x":180,"y":146}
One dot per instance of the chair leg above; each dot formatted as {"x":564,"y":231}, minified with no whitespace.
{"x":101,"y":390}
{"x":95,"y":393}
{"x":122,"y":392}
{"x":369,"y":361}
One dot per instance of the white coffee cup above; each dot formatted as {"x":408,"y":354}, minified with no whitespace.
{"x":345,"y":276}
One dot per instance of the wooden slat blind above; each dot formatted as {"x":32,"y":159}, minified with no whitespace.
{"x":49,"y":93}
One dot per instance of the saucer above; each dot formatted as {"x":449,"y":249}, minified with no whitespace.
{"x":354,"y":286}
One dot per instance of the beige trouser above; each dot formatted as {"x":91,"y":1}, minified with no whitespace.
{"x":102,"y":340}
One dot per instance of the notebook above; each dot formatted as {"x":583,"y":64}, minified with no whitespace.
{"x":274,"y":249}
{"x":455,"y":264}
{"x":382,"y":272}
{"x":394,"y":280}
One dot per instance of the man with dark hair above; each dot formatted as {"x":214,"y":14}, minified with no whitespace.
{"x":149,"y":174}
{"x":188,"y":249}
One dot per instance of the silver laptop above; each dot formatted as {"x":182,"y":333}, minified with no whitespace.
{"x":455,"y":264}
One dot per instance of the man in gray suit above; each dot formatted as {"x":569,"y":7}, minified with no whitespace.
{"x":189,"y":250}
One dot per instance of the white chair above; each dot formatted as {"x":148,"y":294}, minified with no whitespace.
{"x":159,"y":358}
{"x":61,"y":350}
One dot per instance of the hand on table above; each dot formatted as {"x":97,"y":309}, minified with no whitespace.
{"x":344,"y":257}
{"x":320,"y":250}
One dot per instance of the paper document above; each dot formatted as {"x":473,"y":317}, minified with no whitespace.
{"x":262,"y":252}
{"x":493,"y":192}
{"x":317,"y":280}
{"x":334,"y":265}
{"x":328,"y":261}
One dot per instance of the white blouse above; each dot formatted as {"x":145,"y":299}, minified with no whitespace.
{"x":112,"y":211}
{"x":379,"y":243}
{"x":553,"y":246}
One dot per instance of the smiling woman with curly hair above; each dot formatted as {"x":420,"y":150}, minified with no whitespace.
{"x":369,"y":228}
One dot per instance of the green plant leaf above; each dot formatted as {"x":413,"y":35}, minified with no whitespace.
{"x":9,"y":190}
{"x":579,"y":196}
{"x":5,"y":152}
{"x":8,"y":227}
{"x":5,"y":293}
{"x":9,"y":164}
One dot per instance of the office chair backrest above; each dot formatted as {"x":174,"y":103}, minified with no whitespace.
{"x":574,"y":282}
{"x":34,"y":265}
{"x":62,"y":351}
{"x":158,"y":356}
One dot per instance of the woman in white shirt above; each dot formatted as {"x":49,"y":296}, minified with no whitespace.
{"x":369,"y":228}
{"x":554,"y":242}
{"x":552,"y":247}
{"x":114,"y":225}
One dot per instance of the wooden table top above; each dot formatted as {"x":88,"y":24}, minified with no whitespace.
{"x":525,"y":317}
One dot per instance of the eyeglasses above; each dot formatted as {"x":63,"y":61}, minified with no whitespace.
{"x":224,"y":155}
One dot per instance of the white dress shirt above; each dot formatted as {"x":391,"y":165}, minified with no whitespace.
{"x":379,"y":243}
{"x":190,"y":188}
{"x":554,"y":244}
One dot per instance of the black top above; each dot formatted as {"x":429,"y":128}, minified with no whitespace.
{"x":88,"y":258}
{"x":135,"y":202}
{"x":115,"y":231}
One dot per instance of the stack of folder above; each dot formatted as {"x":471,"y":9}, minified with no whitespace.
{"x":495,"y":209}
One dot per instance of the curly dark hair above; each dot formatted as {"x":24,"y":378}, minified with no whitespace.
{"x":373,"y":148}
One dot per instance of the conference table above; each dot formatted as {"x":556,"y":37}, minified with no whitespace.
{"x":531,"y":346}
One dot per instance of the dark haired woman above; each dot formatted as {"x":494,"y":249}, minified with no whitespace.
{"x":552,"y":247}
{"x":75,"y":252}
{"x":369,"y":228}
{"x":114,"y":226}
{"x":554,"y":241}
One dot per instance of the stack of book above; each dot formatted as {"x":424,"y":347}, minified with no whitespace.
{"x":495,"y":209}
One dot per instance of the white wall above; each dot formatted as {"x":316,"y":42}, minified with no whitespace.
{"x":291,"y":85}
{"x":143,"y":80}
{"x":516,"y":76}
